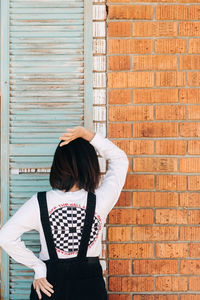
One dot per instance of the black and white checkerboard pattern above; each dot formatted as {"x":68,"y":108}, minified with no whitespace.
{"x":67,"y":225}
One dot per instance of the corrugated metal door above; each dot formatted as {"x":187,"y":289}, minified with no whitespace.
{"x":46,"y":87}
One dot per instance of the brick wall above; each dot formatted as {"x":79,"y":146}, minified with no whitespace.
{"x":154,"y":115}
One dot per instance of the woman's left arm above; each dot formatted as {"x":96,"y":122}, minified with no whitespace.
{"x":26,"y":218}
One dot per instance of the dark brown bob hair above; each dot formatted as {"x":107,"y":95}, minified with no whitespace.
{"x":75,"y":163}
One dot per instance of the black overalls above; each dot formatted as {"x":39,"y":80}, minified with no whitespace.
{"x":76,"y":278}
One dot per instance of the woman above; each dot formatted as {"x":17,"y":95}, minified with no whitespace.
{"x":69,"y":218}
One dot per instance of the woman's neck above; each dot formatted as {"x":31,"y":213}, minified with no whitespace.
{"x":73,"y":189}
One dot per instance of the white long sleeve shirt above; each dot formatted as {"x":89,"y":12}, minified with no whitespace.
{"x":72,"y":205}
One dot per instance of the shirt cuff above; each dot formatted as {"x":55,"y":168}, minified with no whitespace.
{"x":40,"y":270}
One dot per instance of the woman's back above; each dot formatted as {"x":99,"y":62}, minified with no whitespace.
{"x":67,"y":213}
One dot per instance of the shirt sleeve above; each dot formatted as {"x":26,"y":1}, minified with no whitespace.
{"x":26,"y":218}
{"x":114,"y":179}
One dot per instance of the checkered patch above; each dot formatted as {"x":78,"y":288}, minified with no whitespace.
{"x":67,"y":225}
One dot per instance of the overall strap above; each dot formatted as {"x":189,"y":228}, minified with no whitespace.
{"x":44,"y":216}
{"x":90,"y":210}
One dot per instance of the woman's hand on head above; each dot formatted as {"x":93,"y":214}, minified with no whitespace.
{"x":76,"y":132}
{"x":43,"y":285}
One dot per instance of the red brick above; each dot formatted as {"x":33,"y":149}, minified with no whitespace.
{"x":155,"y":297}
{"x":171,"y":12}
{"x":155,"y":199}
{"x":194,"y":147}
{"x":171,"y":182}
{"x":170,"y":112}
{"x":189,"y":29}
{"x":190,"y":95}
{"x":155,"y":233}
{"x":194,"y":284}
{"x":155,"y":164}
{"x":144,"y":12}
{"x":189,"y":233}
{"x":189,"y":266}
{"x":157,"y":129}
{"x":119,"y":297}
{"x":119,"y":234}
{"x":119,"y":130}
{"x":115,"y":284}
{"x":194,"y":183}
{"x":139,"y":181}
{"x":154,"y":29}
{"x":190,"y":164}
{"x":170,"y":1}
{"x":190,"y":129}
{"x":153,"y":266}
{"x":194,"y":12}
{"x":155,"y":95}
{"x":130,"y":169}
{"x":170,"y":78}
{"x":193,"y":216}
{"x":139,"y":250}
{"x":130,"y":79}
{"x":193,"y":112}
{"x":190,"y":199}
{"x":171,"y":216}
{"x":133,"y":147}
{"x":117,"y":63}
{"x":171,"y":283}
{"x":189,"y":297}
{"x":129,"y":46}
{"x":171,"y":250}
{"x":131,"y":284}
{"x":118,"y":1}
{"x":171,"y":147}
{"x":194,"y":250}
{"x":124,"y":199}
{"x":170,"y":46}
{"x":130,"y":113}
{"x":194,"y":46}
{"x":189,"y":62}
{"x":131,"y":216}
{"x":119,"y":96}
{"x":155,"y":62}
{"x":119,"y":29}
{"x":193,"y":78}
{"x":119,"y":267}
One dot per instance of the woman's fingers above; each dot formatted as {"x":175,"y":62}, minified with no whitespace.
{"x":43,"y":285}
{"x":66,"y":134}
{"x":38,"y":292}
{"x":48,"y":283}
{"x":65,"y":143}
{"x":45,"y":291}
{"x":65,"y":138}
{"x":71,"y":129}
{"x":72,"y":134}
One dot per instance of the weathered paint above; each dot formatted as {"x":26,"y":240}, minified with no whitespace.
{"x":4,"y":139}
{"x":46,"y":87}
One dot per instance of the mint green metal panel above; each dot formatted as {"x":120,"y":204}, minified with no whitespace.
{"x":46,"y":87}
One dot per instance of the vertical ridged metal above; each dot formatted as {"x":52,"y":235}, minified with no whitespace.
{"x":4,"y":139}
